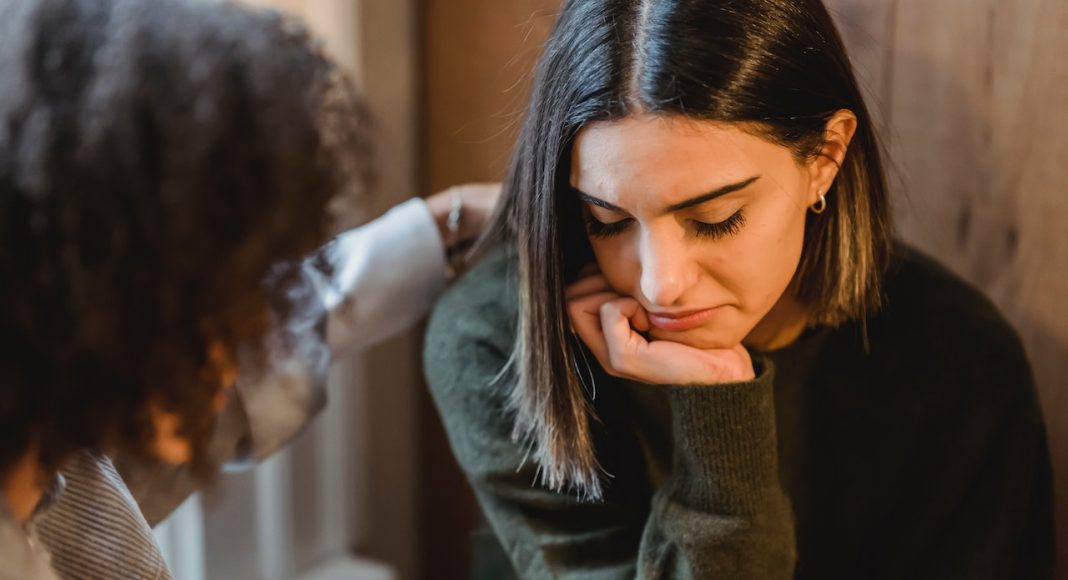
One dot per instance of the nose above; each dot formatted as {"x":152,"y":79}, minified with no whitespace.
{"x":666,"y":270}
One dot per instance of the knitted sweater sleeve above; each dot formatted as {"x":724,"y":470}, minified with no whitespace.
{"x":721,"y":514}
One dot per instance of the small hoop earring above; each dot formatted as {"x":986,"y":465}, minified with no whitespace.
{"x":820,"y":206}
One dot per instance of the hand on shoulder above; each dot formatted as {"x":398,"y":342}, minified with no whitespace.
{"x":462,"y":211}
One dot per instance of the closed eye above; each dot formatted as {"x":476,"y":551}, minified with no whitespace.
{"x":718,"y":230}
{"x":599,"y":229}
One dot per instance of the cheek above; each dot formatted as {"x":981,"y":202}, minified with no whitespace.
{"x":766,"y":258}
{"x":621,"y":272}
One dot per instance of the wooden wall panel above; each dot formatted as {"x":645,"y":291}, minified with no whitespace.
{"x":866,"y":28}
{"x":477,"y":56}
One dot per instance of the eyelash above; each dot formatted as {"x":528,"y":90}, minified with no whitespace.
{"x":728,"y":227}
{"x":723,"y":229}
{"x":599,"y":229}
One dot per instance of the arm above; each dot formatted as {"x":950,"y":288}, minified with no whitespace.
{"x":373,"y":282}
{"x":720,"y":514}
{"x":385,"y":276}
{"x":369,"y":283}
{"x":388,"y":273}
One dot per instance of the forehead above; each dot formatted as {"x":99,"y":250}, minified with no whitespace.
{"x":669,"y":156}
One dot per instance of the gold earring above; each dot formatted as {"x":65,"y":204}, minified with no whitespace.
{"x":820,"y":206}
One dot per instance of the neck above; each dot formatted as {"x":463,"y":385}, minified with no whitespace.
{"x":21,"y":485}
{"x":782,"y":325}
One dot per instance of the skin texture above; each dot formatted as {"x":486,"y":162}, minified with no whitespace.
{"x":478,"y":201}
{"x":657,"y":265}
{"x":22,"y":487}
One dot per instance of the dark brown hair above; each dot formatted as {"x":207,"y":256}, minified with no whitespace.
{"x":778,"y":67}
{"x":156,"y":158}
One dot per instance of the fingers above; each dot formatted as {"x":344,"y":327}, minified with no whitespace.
{"x":588,"y":285}
{"x":624,"y":344}
{"x":640,"y":319}
{"x":480,"y":196}
{"x":630,"y":355}
{"x":585,"y":299}
{"x":611,"y":326}
{"x":585,"y":314}
{"x":475,"y":202}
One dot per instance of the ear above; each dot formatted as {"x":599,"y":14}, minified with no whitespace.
{"x":824,"y":167}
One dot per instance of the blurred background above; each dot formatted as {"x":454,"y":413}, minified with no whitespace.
{"x":972,"y":100}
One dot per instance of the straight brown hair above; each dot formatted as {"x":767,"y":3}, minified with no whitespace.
{"x":776,"y":66}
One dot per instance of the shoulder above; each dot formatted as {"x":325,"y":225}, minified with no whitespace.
{"x":946,"y":323}
{"x":939,"y":305}
{"x":482,"y":302}
{"x":491,"y":281}
{"x":473,"y":326}
{"x":466,"y":355}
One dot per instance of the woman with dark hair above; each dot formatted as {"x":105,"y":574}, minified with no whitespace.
{"x":693,"y":349}
{"x":166,"y":168}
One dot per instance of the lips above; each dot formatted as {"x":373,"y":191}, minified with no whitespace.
{"x":681,"y":321}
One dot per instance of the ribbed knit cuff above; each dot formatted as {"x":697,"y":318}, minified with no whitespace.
{"x":726,"y":456}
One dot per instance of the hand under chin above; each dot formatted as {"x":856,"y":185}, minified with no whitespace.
{"x":699,"y":338}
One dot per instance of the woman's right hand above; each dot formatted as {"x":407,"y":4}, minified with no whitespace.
{"x":611,"y":326}
{"x":476,"y":202}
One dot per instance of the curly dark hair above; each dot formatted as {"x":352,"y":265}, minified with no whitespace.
{"x":156,"y":158}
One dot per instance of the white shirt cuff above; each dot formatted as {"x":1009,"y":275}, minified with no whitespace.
{"x":387,"y":275}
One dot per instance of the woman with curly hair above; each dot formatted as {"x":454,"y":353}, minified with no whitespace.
{"x":165,"y":169}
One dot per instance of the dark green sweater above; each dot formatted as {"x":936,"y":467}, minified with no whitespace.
{"x":922,"y":457}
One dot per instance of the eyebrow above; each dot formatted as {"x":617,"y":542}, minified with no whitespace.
{"x":687,"y":204}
